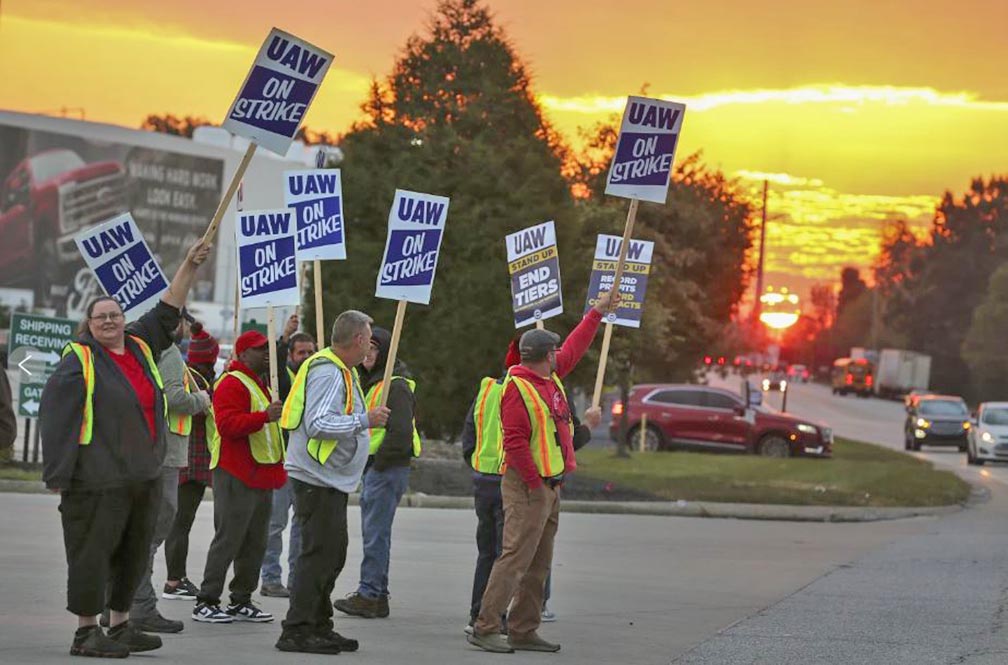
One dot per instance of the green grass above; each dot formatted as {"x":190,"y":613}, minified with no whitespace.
{"x":17,"y":473}
{"x":860,"y":474}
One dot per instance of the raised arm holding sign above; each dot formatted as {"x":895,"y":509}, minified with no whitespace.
{"x":416,"y":228}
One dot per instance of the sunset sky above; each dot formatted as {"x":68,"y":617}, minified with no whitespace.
{"x":857,"y":112}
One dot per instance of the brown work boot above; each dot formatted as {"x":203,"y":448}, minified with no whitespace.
{"x":362,"y":606}
{"x":532,"y":642}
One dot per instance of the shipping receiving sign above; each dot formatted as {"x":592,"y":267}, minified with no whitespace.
{"x":534,"y":265}
{"x":415,"y":230}
{"x":120,"y":259}
{"x":642,"y":164}
{"x":267,"y":258}
{"x":275,"y":96}
{"x":633,"y":284}
{"x":316,"y":196}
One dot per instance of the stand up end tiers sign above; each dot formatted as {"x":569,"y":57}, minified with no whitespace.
{"x":633,"y":284}
{"x":534,"y":266}
{"x":120,"y":259}
{"x":275,"y":96}
{"x":642,"y":164}
{"x":416,"y":228}
{"x":267,"y":258}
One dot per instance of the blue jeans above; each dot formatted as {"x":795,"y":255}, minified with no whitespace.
{"x":272,"y":573}
{"x":379,"y":499}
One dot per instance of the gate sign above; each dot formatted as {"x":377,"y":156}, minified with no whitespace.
{"x":416,"y":226}
{"x":267,"y":258}
{"x":534,"y":266}
{"x":119,"y":257}
{"x":642,"y":164}
{"x":316,"y":196}
{"x":633,"y":284}
{"x":276,"y":93}
{"x":29,"y":396}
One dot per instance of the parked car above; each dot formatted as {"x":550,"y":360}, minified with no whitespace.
{"x":853,"y":375}
{"x":937,"y":420}
{"x":707,"y":418}
{"x":798,"y":373}
{"x":988,"y":437}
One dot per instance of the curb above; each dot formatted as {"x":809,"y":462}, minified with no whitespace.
{"x":743,"y":511}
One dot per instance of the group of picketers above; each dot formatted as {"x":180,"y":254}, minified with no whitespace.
{"x":133,"y":433}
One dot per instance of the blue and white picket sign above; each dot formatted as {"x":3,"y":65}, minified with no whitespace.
{"x":267,"y":258}
{"x":276,"y":94}
{"x":416,"y":227}
{"x":633,"y":284}
{"x":642,"y":164}
{"x":119,"y":257}
{"x":316,"y":196}
{"x":534,"y":265}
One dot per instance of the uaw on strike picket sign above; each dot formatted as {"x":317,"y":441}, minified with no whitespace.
{"x":416,"y":227}
{"x":120,"y":259}
{"x":633,"y":284}
{"x":316,"y":196}
{"x":276,"y":93}
{"x":534,"y":266}
{"x":267,"y":258}
{"x":642,"y":164}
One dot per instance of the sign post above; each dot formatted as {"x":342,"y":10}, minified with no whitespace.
{"x":272,"y":102}
{"x":415,"y":230}
{"x":534,"y":266}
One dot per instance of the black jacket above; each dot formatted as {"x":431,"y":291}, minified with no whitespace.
{"x":397,"y":447}
{"x":121,"y":450}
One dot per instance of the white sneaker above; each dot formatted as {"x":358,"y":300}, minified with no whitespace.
{"x":249,"y":612}
{"x":468,"y":630}
{"x":547,"y":615}
{"x":206,"y":613}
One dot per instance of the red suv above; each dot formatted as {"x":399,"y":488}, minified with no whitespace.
{"x":706,"y":418}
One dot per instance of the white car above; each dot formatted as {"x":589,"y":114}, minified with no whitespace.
{"x":988,"y":438}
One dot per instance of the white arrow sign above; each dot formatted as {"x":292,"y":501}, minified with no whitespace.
{"x":31,"y":406}
{"x":49,"y":358}
{"x":22,"y":363}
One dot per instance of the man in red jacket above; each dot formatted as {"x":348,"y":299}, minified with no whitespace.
{"x":249,"y":468}
{"x":538,"y":451}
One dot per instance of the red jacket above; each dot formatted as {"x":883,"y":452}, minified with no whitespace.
{"x":235,"y":422}
{"x":514,"y":415}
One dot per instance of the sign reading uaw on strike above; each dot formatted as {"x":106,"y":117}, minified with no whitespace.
{"x":642,"y":164}
{"x":534,"y":266}
{"x":633,"y":284}
{"x":316,"y":196}
{"x":416,"y":227}
{"x":276,"y":93}
{"x":122,"y":262}
{"x":267,"y":258}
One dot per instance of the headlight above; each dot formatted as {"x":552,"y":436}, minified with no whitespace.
{"x":923,"y":424}
{"x":766,"y":385}
{"x":987,"y":437}
{"x":808,"y":429}
{"x":967,"y":424}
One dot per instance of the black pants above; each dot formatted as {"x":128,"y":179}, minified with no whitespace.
{"x":489,"y":533}
{"x":241,"y":527}
{"x":321,"y":512}
{"x":190,"y":494}
{"x":107,"y":535}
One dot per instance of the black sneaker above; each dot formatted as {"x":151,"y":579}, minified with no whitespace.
{"x":345,"y":643}
{"x":307,"y":643}
{"x":185,"y":590}
{"x":249,"y":612}
{"x":134,"y":640}
{"x":93,"y":642}
{"x":157,"y":624}
{"x":207,"y":613}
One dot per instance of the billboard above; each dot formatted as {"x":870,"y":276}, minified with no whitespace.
{"x":53,"y":186}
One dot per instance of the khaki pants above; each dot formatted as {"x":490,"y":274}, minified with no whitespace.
{"x":531,"y":518}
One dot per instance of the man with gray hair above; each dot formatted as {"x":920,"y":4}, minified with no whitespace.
{"x":329,"y":423}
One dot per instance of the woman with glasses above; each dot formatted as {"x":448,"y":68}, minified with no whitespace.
{"x":103,"y":423}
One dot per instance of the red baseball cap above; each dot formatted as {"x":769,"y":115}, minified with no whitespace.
{"x":250,"y":339}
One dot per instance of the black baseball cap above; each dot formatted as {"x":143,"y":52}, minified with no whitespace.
{"x":536,"y":344}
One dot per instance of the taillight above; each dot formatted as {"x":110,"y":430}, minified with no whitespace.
{"x":850,"y":379}
{"x":617,"y":409}
{"x":869,"y":380}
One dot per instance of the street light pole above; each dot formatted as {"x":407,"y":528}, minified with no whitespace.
{"x":759,"y":264}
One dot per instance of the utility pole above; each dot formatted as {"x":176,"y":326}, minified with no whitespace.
{"x":757,"y":305}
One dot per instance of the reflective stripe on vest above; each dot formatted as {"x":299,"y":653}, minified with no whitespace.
{"x":266,"y":444}
{"x":86,"y":358}
{"x":212,"y":434}
{"x":543,"y":443}
{"x":378,"y":433}
{"x":293,"y":409}
{"x":489,"y":454}
{"x":181,"y":423}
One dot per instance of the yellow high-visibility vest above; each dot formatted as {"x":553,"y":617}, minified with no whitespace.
{"x":266,"y":444}
{"x":293,"y":409}
{"x":212,"y":435}
{"x":86,"y":358}
{"x":488,"y":457}
{"x":544,"y":444}
{"x":373,"y":399}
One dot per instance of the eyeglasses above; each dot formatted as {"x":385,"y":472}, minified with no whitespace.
{"x":108,"y":316}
